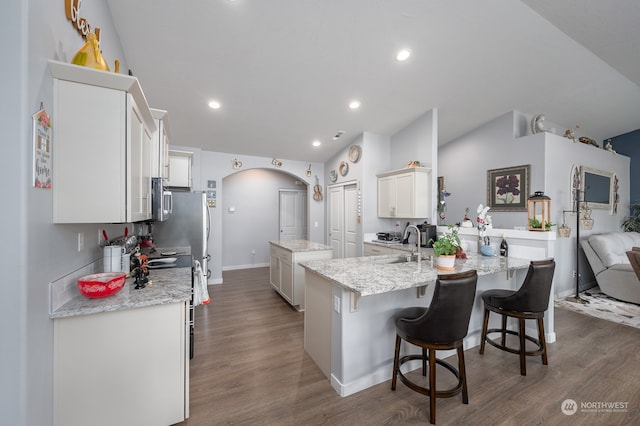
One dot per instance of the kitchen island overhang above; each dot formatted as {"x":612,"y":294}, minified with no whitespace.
{"x":350,"y":303}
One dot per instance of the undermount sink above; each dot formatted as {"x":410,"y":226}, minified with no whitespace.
{"x":392,"y":260}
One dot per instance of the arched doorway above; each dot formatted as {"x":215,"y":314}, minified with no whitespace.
{"x":250,"y":215}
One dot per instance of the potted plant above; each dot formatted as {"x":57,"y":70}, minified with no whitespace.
{"x":445,"y":248}
{"x":537,"y":224}
{"x":632,"y":222}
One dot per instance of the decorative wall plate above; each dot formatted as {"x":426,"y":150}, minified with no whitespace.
{"x":333,"y":176}
{"x":354,"y":153}
{"x":344,"y":168}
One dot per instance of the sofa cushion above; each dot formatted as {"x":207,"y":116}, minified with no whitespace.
{"x":612,"y":248}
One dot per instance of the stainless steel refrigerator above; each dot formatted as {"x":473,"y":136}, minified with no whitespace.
{"x":188,"y":225}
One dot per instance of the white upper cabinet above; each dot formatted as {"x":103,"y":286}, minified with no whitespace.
{"x":405,"y":193}
{"x":160,"y":145}
{"x":102,"y":134}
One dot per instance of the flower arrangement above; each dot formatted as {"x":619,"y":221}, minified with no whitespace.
{"x":483,"y":220}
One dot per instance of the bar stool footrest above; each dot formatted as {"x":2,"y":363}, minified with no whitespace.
{"x":424,"y":390}
{"x":538,"y":351}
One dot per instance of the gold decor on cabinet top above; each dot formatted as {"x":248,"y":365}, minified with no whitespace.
{"x":89,"y":55}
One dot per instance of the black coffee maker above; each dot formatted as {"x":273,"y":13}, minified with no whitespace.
{"x":427,"y":232}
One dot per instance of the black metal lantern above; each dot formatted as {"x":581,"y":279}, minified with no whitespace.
{"x":539,"y":212}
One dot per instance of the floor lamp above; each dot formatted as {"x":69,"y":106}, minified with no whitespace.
{"x":577,"y":298}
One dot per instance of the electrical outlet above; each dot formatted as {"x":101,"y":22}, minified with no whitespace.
{"x":80,"y":241}
{"x":336,"y":304}
{"x":574,"y":274}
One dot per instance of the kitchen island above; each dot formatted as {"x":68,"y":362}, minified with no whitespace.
{"x":285,"y":273}
{"x":348,"y":327}
{"x":124,"y":359}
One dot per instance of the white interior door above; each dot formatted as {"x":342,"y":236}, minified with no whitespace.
{"x":336,"y":220}
{"x":343,"y":221}
{"x":293,"y":215}
{"x":351,"y":222}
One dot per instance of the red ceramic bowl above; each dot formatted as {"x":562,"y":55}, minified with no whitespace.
{"x":104,"y":284}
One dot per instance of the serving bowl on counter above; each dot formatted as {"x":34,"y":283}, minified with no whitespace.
{"x":104,"y":284}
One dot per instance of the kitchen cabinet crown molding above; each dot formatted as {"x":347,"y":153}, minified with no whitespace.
{"x":163,"y":115}
{"x":406,"y":170}
{"x":109,"y":80}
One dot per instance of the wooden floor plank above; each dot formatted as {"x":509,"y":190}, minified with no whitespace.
{"x":250,"y":368}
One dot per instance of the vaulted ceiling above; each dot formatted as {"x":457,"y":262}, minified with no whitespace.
{"x":284,"y":71}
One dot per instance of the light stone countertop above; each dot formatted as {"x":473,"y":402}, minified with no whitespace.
{"x":300,"y":245}
{"x":170,"y":285}
{"x":424,"y":251}
{"x":375,"y":275}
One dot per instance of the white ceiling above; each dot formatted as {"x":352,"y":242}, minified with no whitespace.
{"x":284,"y":70}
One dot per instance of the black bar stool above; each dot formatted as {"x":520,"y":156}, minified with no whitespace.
{"x":442,"y":325}
{"x":530,"y":301}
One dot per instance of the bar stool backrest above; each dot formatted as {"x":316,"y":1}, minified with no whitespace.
{"x":447,"y":319}
{"x":533,"y":294}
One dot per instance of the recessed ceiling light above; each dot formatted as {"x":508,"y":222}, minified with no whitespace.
{"x":354,"y":104}
{"x":214,"y":105}
{"x":316,"y":143}
{"x":403,"y":55}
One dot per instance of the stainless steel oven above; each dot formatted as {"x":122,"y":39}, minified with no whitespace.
{"x":161,"y":200}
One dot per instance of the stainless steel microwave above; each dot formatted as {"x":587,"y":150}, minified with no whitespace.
{"x":161,"y":200}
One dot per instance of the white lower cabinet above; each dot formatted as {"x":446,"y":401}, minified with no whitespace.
{"x":287,"y":276}
{"x":128,"y":367}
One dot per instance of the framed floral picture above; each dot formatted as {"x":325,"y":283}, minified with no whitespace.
{"x":508,"y":188}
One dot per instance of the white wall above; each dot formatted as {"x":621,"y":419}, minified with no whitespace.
{"x":37,"y":251}
{"x":13,"y":303}
{"x":253,"y":195}
{"x":465,"y":161}
{"x":380,"y":153}
{"x":560,"y":155}
{"x":376,"y":156}
{"x":418,"y":141}
{"x":209,"y":165}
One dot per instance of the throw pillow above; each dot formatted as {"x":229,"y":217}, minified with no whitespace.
{"x":635,"y":248}
{"x":634,"y":259}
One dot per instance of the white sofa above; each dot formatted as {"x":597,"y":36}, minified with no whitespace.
{"x":607,"y":256}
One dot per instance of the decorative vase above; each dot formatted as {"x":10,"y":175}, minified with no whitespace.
{"x":486,"y":250}
{"x":89,"y":55}
{"x":445,"y":262}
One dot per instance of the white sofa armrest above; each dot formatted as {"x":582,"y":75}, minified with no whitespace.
{"x":594,"y":261}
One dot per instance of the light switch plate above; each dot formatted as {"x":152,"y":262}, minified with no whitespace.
{"x":336,"y":304}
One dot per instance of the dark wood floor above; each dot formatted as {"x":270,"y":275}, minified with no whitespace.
{"x":250,"y":368}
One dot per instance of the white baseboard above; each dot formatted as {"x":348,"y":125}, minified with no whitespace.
{"x":249,"y":266}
